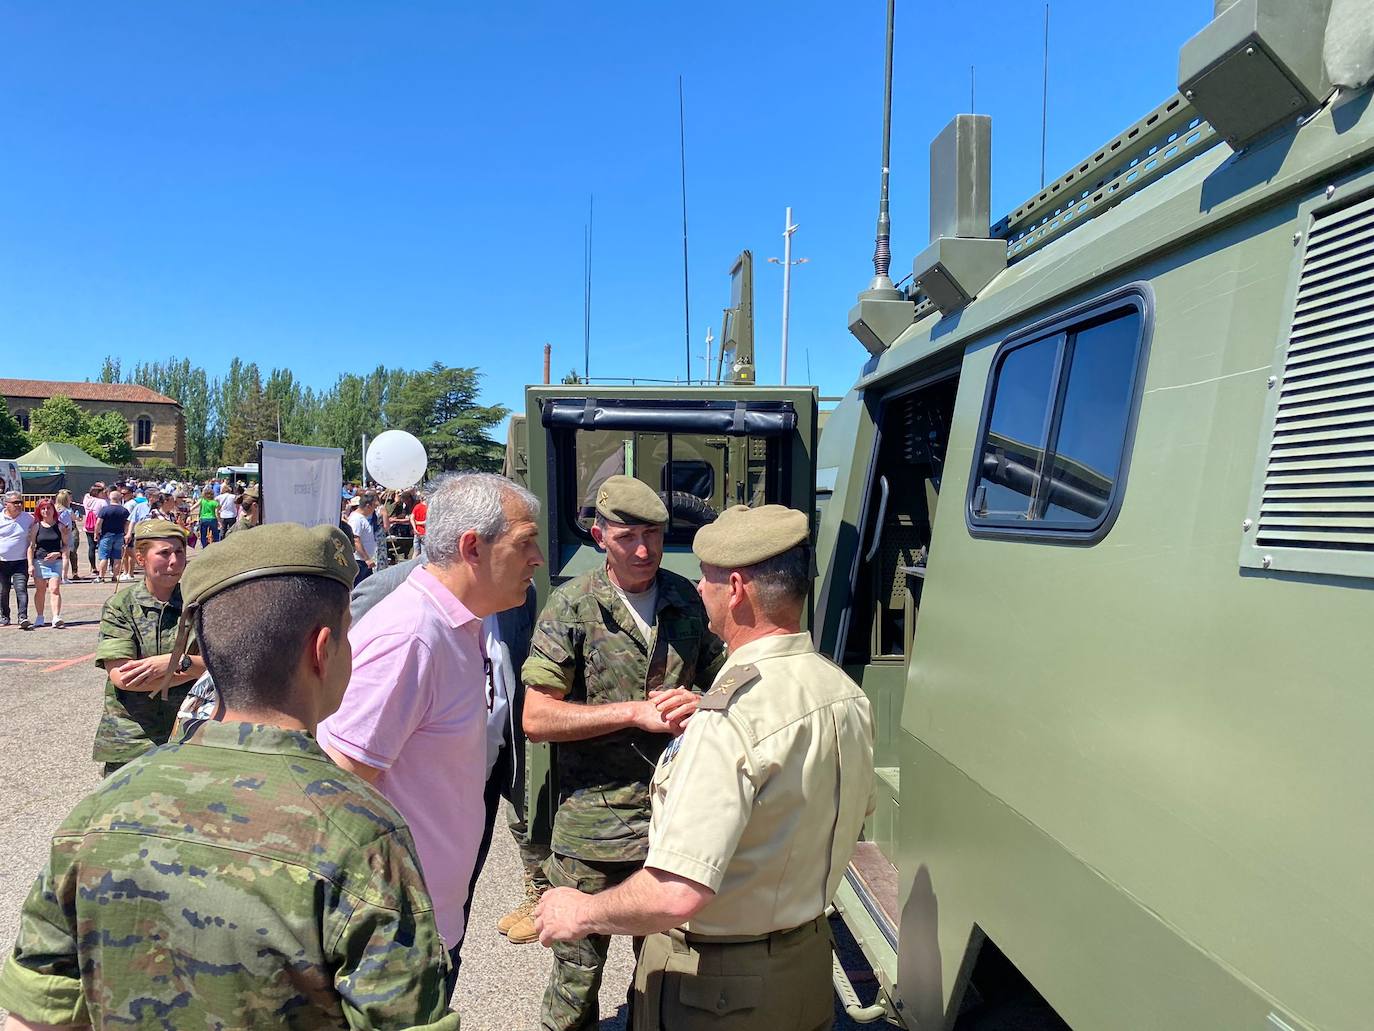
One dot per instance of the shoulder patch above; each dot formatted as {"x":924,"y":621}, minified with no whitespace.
{"x":731,"y":681}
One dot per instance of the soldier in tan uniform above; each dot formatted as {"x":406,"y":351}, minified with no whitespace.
{"x":756,"y":808}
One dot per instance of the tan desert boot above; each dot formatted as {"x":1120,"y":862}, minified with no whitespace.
{"x":521,"y":913}
{"x":523,"y":931}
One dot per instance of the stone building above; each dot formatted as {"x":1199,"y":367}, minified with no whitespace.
{"x":157,"y":427}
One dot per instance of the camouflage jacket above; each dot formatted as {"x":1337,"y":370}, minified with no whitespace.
{"x":135,"y":625}
{"x":588,"y":647}
{"x":238,"y":880}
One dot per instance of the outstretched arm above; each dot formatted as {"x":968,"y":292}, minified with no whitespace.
{"x":649,"y":901}
{"x":548,"y":717}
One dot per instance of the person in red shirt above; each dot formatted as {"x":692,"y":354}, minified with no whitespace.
{"x":417,"y":519}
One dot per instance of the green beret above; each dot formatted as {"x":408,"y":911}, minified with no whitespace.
{"x":158,"y":530}
{"x":623,"y":499}
{"x":277,"y":549}
{"x":743,"y":536}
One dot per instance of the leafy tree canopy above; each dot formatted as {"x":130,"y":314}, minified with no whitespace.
{"x":61,"y":420}
{"x":13,"y":440}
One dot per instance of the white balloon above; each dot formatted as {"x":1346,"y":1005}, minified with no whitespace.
{"x":396,"y":459}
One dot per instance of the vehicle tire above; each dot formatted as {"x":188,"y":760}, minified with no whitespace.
{"x":690,"y":509}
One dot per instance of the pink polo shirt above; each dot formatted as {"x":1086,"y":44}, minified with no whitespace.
{"x":416,"y":708}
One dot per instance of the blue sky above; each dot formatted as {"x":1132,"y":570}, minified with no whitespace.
{"x":329,"y":186}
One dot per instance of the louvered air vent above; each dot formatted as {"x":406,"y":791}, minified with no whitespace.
{"x":1319,"y":483}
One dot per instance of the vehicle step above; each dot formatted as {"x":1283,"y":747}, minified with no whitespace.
{"x":875,"y":881}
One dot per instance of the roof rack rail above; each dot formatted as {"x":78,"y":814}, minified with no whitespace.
{"x":1169,"y":136}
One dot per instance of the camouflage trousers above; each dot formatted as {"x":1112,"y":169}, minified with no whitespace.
{"x":571,"y":1002}
{"x":533,"y":854}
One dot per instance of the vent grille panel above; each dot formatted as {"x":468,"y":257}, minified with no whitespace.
{"x":1319,"y":483}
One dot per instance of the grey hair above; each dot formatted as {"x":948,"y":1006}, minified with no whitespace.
{"x":459,"y":502}
{"x":781,"y":582}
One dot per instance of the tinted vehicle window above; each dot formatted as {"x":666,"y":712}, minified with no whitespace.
{"x":1053,"y":441}
{"x":1097,"y":404}
{"x":1014,"y":447}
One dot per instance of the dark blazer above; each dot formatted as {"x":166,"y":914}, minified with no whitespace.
{"x":515,"y":626}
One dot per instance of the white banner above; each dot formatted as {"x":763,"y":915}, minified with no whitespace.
{"x":9,"y":473}
{"x":301,"y":484}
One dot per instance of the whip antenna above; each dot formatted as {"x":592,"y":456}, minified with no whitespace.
{"x":882,"y":247}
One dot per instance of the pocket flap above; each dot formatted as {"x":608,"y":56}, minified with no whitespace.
{"x":720,"y":993}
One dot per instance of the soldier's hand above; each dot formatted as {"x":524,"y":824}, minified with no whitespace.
{"x":144,"y":674}
{"x":675,"y":707}
{"x":557,"y":918}
{"x":647,"y":717}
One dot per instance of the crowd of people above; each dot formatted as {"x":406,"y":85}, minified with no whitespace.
{"x":330,"y":738}
{"x":41,"y":550}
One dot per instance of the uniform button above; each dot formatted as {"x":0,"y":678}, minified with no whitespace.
{"x":720,"y":1003}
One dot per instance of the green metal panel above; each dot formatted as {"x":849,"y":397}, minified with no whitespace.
{"x":1141,"y":771}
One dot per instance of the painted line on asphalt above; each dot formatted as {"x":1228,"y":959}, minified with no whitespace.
{"x":67,"y":664}
{"x":6,"y":658}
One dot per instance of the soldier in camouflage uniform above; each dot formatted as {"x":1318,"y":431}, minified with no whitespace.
{"x":250,"y":515}
{"x":614,"y":657}
{"x":239,"y":878}
{"x":137,"y":628}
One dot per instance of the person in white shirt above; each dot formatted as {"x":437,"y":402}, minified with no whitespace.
{"x":364,"y":538}
{"x":228,"y":510}
{"x":14,"y":558}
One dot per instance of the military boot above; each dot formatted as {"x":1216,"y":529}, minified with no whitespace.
{"x":518,"y":924}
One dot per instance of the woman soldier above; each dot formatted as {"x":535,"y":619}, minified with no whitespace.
{"x":137,"y":630}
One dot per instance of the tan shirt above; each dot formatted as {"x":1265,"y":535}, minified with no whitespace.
{"x":764,"y":796}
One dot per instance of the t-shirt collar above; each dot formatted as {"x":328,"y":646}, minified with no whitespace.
{"x":441,"y":597}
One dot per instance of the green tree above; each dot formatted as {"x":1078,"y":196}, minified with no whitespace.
{"x":439,"y":405}
{"x":61,"y":420}
{"x":572,"y":376}
{"x":111,"y":433}
{"x":109,"y":370}
{"x":13,"y":441}
{"x":58,"y":419}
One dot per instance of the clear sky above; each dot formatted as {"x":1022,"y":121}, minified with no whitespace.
{"x":330,"y":186}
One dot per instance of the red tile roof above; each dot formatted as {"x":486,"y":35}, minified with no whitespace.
{"x":42,"y":388}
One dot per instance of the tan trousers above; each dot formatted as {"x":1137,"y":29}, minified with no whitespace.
{"x":684,"y":981}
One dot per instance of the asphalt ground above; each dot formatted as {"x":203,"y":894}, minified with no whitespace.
{"x":50,"y":698}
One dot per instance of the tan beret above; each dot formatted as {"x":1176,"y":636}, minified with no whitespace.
{"x":254,"y":492}
{"x":623,"y":499}
{"x":743,"y":536}
{"x":277,"y":549}
{"x":158,"y":530}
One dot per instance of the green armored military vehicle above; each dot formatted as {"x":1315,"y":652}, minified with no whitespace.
{"x":1099,"y":546}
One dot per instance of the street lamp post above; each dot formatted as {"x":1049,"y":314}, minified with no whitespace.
{"x":786,"y":262}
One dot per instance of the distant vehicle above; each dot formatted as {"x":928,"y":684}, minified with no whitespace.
{"x":247,"y":473}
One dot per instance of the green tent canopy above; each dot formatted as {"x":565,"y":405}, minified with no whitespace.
{"x":50,"y":467}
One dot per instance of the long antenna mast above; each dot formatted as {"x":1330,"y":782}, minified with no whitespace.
{"x":882,"y":245}
{"x":686,"y":294}
{"x":587,"y":290}
{"x":1045,"y":96}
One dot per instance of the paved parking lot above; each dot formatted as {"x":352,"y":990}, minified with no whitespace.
{"x":50,"y":695}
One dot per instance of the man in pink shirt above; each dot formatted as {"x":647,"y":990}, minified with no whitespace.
{"x":413,"y":720}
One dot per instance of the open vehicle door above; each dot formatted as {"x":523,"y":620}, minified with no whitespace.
{"x":703,"y":449}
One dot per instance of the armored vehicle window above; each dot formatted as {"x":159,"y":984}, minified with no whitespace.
{"x":1053,"y":443}
{"x":697,"y":475}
